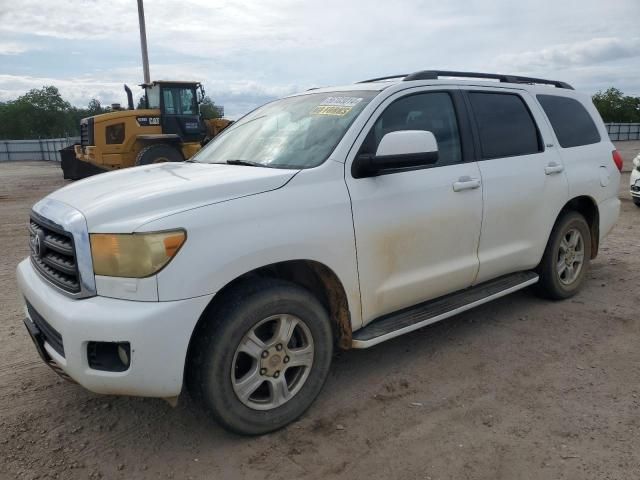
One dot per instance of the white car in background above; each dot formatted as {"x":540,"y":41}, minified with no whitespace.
{"x":635,"y":181}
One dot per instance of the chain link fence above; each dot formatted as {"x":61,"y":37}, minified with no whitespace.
{"x":623,"y":131}
{"x":43,"y":149}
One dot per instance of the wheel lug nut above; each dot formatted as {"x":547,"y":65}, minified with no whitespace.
{"x":265,"y":354}
{"x":286,"y":360}
{"x":279,"y":347}
{"x":276,"y":374}
{"x":263,"y":371}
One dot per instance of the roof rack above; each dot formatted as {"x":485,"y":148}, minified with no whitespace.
{"x":435,"y":74}
{"x":379,"y":79}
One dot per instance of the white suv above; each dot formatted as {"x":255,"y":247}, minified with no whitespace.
{"x":340,"y":216}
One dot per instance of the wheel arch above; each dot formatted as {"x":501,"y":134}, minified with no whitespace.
{"x":588,"y":208}
{"x":312,"y":275}
{"x":145,"y":144}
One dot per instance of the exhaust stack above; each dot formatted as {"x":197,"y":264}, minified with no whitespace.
{"x":129,"y":97}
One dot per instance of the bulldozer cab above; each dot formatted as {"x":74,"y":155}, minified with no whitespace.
{"x":179,"y":108}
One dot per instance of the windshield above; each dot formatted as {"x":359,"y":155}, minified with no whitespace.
{"x":295,"y":132}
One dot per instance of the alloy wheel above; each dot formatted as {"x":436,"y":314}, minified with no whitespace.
{"x":570,"y":259}
{"x":272,"y":362}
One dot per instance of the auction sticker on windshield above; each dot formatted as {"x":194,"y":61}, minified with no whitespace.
{"x":338,"y":106}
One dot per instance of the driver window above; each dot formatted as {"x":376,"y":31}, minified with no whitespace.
{"x":187,"y":102}
{"x":432,"y":112}
{"x":179,"y":101}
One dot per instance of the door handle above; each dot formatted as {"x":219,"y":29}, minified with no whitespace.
{"x":552,"y":168}
{"x":466,"y":183}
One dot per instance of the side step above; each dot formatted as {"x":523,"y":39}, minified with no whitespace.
{"x":410,"y":319}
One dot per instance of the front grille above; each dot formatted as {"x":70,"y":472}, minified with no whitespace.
{"x":86,"y":131}
{"x":50,"y":334}
{"x":84,"y":134}
{"x":53,"y":254}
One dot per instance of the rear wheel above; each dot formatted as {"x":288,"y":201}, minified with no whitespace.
{"x":566,"y":258}
{"x":262,"y":357}
{"x":158,"y":153}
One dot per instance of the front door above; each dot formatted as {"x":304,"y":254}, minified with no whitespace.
{"x":417,"y":230}
{"x":180,"y":116}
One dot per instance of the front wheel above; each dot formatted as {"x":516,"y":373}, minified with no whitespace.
{"x":263,"y":356}
{"x":566,"y":258}
{"x":636,"y":200}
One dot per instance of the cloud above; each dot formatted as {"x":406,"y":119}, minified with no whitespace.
{"x":238,"y":97}
{"x":589,"y":52}
{"x":75,"y":90}
{"x":14,"y":48}
{"x":249,"y":51}
{"x":71,"y":19}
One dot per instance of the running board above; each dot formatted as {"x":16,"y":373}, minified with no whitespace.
{"x":410,"y":319}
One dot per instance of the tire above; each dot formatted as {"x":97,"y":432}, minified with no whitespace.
{"x":218,"y":371}
{"x":158,"y":153}
{"x":562,"y":274}
{"x":636,"y":200}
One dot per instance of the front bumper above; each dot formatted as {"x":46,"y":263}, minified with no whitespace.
{"x":159,"y":334}
{"x":85,"y":154}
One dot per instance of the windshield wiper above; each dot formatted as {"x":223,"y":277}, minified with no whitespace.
{"x":247,"y":163}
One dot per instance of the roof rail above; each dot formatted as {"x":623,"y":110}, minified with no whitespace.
{"x":435,"y":74}
{"x":390,"y":77}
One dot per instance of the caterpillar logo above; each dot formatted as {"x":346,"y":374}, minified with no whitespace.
{"x":148,"y":121}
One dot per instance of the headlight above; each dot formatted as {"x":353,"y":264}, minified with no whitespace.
{"x":135,"y":255}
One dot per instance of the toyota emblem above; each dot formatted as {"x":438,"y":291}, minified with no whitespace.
{"x":36,"y":244}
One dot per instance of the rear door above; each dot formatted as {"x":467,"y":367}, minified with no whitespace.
{"x":417,"y":229}
{"x":524,"y":183}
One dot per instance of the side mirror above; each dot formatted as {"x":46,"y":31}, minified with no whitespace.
{"x":400,"y":149}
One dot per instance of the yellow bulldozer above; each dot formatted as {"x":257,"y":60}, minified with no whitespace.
{"x":169,"y":128}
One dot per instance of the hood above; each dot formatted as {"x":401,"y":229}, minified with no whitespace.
{"x":121,"y":201}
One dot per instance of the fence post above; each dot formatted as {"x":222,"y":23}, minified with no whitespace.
{"x":6,"y":146}
{"x":41,"y":149}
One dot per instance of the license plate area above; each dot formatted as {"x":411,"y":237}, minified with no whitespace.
{"x":38,"y":340}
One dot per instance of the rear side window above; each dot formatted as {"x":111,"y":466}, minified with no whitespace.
{"x":570,"y":120}
{"x":505,"y":125}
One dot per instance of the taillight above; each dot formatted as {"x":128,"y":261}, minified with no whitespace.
{"x":617,"y":159}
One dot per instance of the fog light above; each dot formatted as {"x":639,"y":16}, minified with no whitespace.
{"x":123,"y":353}
{"x":109,"y":356}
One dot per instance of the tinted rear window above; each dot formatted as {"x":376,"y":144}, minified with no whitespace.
{"x":505,"y":125}
{"x":570,"y":120}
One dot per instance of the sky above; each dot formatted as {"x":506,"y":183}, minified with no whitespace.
{"x":248,"y":52}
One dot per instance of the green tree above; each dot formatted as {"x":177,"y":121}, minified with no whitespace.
{"x":142,"y":103}
{"x":38,"y":113}
{"x":209,"y":109}
{"x":95,"y":108}
{"x":615,"y":106}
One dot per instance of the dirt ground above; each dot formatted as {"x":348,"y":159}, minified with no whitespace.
{"x":518,"y":389}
